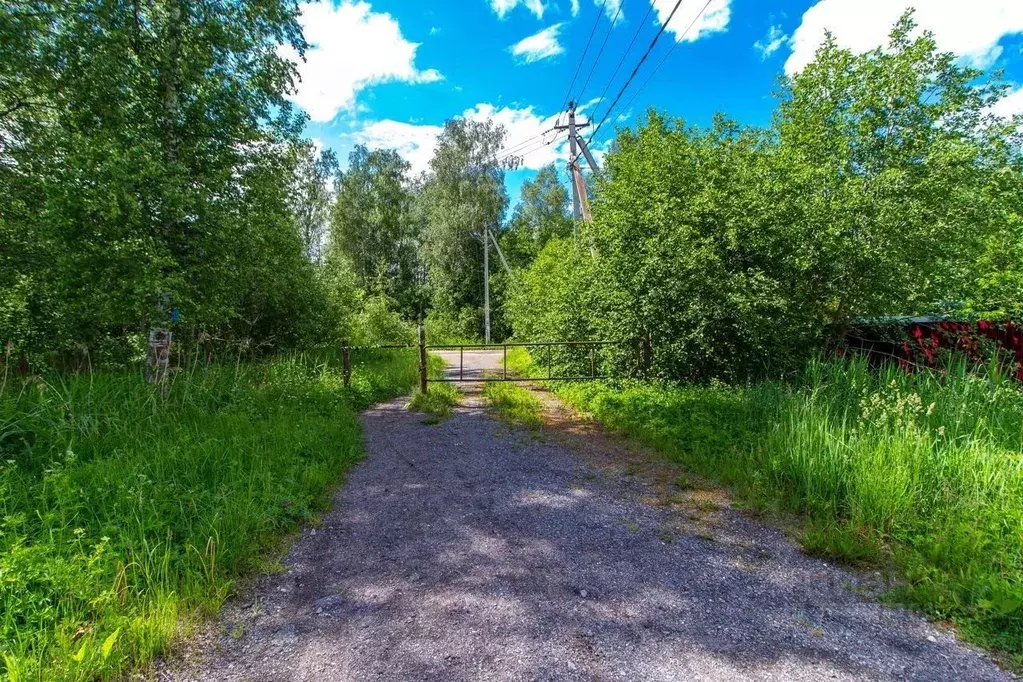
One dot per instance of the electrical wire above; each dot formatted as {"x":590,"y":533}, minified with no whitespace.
{"x":628,"y":50}
{"x":534,"y":148}
{"x":651,"y":75}
{"x":600,"y":52}
{"x":596,"y":22}
{"x":515,"y":150}
{"x":642,"y":59}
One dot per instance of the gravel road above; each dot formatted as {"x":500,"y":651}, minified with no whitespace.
{"x":470,"y":550}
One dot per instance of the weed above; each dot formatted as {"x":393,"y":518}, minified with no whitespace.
{"x":923,"y":470}
{"x":437,"y":402}
{"x":123,"y":511}
{"x":514,"y":404}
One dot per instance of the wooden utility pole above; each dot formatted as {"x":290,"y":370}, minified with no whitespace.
{"x":573,"y":153}
{"x":486,"y":285}
{"x":576,"y":144}
{"x":424,"y":376}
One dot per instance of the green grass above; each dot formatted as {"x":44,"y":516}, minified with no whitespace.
{"x":124,"y":514}
{"x":437,"y":402}
{"x":514,"y":404}
{"x":920,"y":472}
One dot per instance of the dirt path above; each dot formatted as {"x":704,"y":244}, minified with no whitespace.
{"x":470,"y":550}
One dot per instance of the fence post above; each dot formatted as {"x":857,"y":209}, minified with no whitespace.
{"x":423,"y":376}
{"x":158,"y":355}
{"x":346,"y":363}
{"x":648,"y":352}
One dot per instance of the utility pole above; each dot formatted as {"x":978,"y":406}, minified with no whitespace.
{"x":486,"y":285}
{"x":573,"y":153}
{"x":580,"y":200}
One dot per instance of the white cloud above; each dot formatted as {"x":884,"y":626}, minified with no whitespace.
{"x":523,"y":128}
{"x":524,"y":124}
{"x":415,"y":143}
{"x":575,"y":8}
{"x":713,"y":20}
{"x":352,"y":47}
{"x":611,"y":9}
{"x":502,"y":7}
{"x":970,"y":30}
{"x":1011,"y":105}
{"x":542,"y":45}
{"x":772,"y":42}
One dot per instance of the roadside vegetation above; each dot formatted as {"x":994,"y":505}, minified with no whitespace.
{"x":439,"y":400}
{"x":125,"y":513}
{"x":154,"y":175}
{"x":514,"y":404}
{"x":883,"y":187}
{"x":918,"y":472}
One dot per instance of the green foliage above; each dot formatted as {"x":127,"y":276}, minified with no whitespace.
{"x":378,"y":323}
{"x":541,"y":215}
{"x":554,"y":298}
{"x":375,"y":226}
{"x":878,"y":188}
{"x":463,"y":194}
{"x":148,"y":159}
{"x":514,"y":404}
{"x":923,"y":468}
{"x":438,"y":401}
{"x":122,"y":512}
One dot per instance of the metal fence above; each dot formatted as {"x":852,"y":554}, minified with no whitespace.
{"x":544,"y":359}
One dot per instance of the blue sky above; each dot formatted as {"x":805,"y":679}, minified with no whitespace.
{"x":388,"y":73}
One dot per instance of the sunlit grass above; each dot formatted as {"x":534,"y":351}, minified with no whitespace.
{"x":438,"y":401}
{"x":920,"y":471}
{"x":124,"y":513}
{"x":514,"y":404}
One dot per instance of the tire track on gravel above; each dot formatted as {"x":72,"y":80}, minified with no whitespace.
{"x":470,"y":550}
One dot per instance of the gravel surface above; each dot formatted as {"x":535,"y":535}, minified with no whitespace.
{"x":470,"y":550}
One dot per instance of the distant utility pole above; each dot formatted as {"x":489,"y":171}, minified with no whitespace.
{"x":576,"y":143}
{"x":486,"y":285}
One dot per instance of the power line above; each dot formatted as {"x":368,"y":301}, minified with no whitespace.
{"x":596,"y":61}
{"x":532,"y":149}
{"x":651,"y":75}
{"x":582,"y":59}
{"x":636,"y":70}
{"x":508,"y":151}
{"x":628,"y":50}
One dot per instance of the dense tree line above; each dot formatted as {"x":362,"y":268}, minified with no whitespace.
{"x":153,"y":173}
{"x":146,"y":156}
{"x":882,"y":187}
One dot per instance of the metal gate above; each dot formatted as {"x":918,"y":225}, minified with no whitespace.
{"x":543,"y":352}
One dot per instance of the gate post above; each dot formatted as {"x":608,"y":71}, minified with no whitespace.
{"x":423,"y":376}
{"x":346,"y":363}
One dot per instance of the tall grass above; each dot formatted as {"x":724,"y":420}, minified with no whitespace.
{"x":922,"y":471}
{"x":123,"y":511}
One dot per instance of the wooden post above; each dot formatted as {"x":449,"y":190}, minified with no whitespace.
{"x":423,"y":375}
{"x":346,"y":363}
{"x":158,"y":356}
{"x":207,"y":346}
